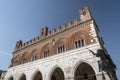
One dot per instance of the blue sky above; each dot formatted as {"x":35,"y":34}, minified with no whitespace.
{"x":23,"y":19}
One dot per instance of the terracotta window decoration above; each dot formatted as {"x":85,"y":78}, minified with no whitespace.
{"x":79,"y":43}
{"x":34,"y":56}
{"x":46,"y":53}
{"x":61,"y":49}
{"x":24,"y":58}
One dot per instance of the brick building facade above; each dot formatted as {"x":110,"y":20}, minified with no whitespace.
{"x":65,"y":53}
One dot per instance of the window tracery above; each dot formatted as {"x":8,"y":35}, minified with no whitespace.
{"x":34,"y":55}
{"x":61,"y":49}
{"x":60,"y":45}
{"x":46,"y":53}
{"x":24,"y":58}
{"x":79,"y":43}
{"x":79,"y":39}
{"x":47,"y":50}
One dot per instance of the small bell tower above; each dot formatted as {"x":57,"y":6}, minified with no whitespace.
{"x":85,"y":14}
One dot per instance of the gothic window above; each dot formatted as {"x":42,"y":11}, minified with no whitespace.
{"x":83,"y":42}
{"x":24,"y":58}
{"x":46,"y":50}
{"x":34,"y":56}
{"x":46,"y":53}
{"x":61,"y":49}
{"x":79,"y":43}
{"x":78,"y":39}
{"x":60,"y":45}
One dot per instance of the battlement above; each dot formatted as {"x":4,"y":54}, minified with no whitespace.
{"x":45,"y":33}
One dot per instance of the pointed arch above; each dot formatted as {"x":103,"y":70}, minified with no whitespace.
{"x":46,"y":50}
{"x":34,"y":55}
{"x":24,"y":58}
{"x":56,"y":73}
{"x":60,"y":45}
{"x":84,"y":71}
{"x":11,"y":78}
{"x":37,"y":75}
{"x":22,"y":77}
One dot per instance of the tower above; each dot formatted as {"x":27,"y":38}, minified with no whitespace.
{"x":85,"y":14}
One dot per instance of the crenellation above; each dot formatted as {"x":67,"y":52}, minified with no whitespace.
{"x":49,"y":33}
{"x":69,"y":24}
{"x":30,"y":41}
{"x":44,"y":32}
{"x":18,"y":44}
{"x":34,"y":39}
{"x":27,"y":42}
{"x":24,"y":44}
{"x":38,"y":38}
{"x":64,"y":27}
{"x":75,"y":22}
{"x":59,"y":29}
{"x":53,"y":31}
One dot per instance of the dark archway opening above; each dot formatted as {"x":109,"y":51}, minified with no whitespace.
{"x":38,"y":76}
{"x":11,"y":78}
{"x":84,"y":72}
{"x":57,"y":74}
{"x":23,"y":77}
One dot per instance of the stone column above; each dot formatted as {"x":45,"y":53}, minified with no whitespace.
{"x":69,"y":78}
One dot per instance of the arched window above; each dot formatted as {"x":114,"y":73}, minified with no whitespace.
{"x":60,"y":49}
{"x":79,"y":43}
{"x":24,"y":58}
{"x":60,"y":45}
{"x":79,"y":39}
{"x":34,"y":55}
{"x":47,"y":50}
{"x":46,"y":53}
